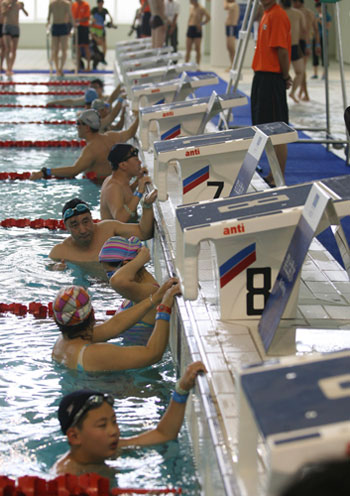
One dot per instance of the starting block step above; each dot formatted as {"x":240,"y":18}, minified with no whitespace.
{"x":209,"y":163}
{"x":188,"y":117}
{"x":244,"y":230}
{"x":168,"y":91}
{"x":156,"y":74}
{"x":144,"y":52}
{"x":299,"y":405}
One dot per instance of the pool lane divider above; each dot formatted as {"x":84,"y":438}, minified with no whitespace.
{"x":51,"y":224}
{"x":46,"y":123}
{"x":42,"y":144}
{"x":47,"y":83}
{"x":15,"y":105}
{"x":38,"y":310}
{"x":31,"y":93}
{"x":70,"y":485}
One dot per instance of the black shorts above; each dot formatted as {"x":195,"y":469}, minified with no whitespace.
{"x":230,"y":30}
{"x":269,"y":98}
{"x":83,"y":35}
{"x":145,"y":26}
{"x":193,"y":32}
{"x":59,"y":29}
{"x":296,"y":52}
{"x":0,"y":30}
{"x":302,"y":44}
{"x":156,"y":21}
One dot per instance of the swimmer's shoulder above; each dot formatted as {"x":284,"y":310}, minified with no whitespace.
{"x":61,"y":250}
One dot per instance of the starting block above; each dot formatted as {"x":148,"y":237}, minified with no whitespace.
{"x":169,"y":91}
{"x":149,"y":62}
{"x":300,"y":406}
{"x":132,"y":45}
{"x":185,"y":118}
{"x":243,"y":230}
{"x":156,"y":74}
{"x":144,"y":52}
{"x":210,"y":163}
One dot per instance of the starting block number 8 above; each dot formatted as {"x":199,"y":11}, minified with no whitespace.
{"x":335,"y":387}
{"x":258,"y":291}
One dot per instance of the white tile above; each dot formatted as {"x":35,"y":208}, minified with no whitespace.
{"x":313,"y":312}
{"x":337,"y":312}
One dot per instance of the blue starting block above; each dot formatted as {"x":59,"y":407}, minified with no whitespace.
{"x":300,"y":407}
{"x":185,"y":118}
{"x":243,"y":230}
{"x":169,"y":91}
{"x":155,"y":75}
{"x":210,"y":163}
{"x":145,"y":62}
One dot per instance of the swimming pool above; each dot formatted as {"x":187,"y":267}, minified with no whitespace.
{"x":30,"y":383}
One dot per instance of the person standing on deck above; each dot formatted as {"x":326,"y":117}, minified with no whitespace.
{"x":271,"y":79}
{"x":2,"y":41}
{"x":10,"y":10}
{"x":81,"y":14}
{"x":61,"y":13}
{"x":198,"y":17}
{"x":231,"y":23}
{"x":172,"y":10}
{"x":157,"y":22}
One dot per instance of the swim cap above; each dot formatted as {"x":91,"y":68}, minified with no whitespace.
{"x":99,"y":104}
{"x":121,"y":152}
{"x":74,"y":405}
{"x":91,"y":118}
{"x":72,"y":306}
{"x":118,"y":249}
{"x":90,"y":95}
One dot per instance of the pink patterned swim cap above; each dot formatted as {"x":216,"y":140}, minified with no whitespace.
{"x":72,"y":306}
{"x":118,"y":249}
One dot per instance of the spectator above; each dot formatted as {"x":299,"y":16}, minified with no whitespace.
{"x":172,"y":10}
{"x":81,"y":15}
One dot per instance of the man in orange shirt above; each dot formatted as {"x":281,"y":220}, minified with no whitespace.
{"x":81,"y":15}
{"x":271,"y":79}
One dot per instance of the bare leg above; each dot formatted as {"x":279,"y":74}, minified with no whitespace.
{"x":88,"y":57}
{"x":11,"y":50}
{"x":298,"y":66}
{"x":303,"y":93}
{"x":197,"y":47}
{"x":64,"y":47}
{"x":230,"y":44}
{"x":159,"y":36}
{"x":189,"y":42}
{"x":54,"y":52}
{"x":2,"y":53}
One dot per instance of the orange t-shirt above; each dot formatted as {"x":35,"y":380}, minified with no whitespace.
{"x":274,"y":31}
{"x":146,"y":9}
{"x":81,"y":10}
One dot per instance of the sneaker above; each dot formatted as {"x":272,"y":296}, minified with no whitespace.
{"x":314,"y":76}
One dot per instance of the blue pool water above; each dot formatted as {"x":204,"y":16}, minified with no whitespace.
{"x":31,"y":384}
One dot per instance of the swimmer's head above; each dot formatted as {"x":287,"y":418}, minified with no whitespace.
{"x":120,"y":153}
{"x":90,"y":118}
{"x":99,"y":104}
{"x":74,"y":207}
{"x":97,"y":84}
{"x":74,"y":407}
{"x":72,"y":311}
{"x":117,"y":250}
{"x":90,"y":96}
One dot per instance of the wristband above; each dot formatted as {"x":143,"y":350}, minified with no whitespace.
{"x":120,"y":99}
{"x":138,"y":194}
{"x":162,"y":316}
{"x":179,"y":390}
{"x":179,"y":398}
{"x":164,"y":308}
{"x":46,"y":172}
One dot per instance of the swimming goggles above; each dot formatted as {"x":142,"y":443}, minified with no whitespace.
{"x":93,"y":401}
{"x":133,"y":153}
{"x":78,"y":209}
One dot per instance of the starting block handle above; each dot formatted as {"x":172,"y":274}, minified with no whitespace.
{"x":213,"y":108}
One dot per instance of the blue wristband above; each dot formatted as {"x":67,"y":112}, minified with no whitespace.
{"x":138,"y":194}
{"x":48,"y":171}
{"x":179,"y":398}
{"x":163,"y":316}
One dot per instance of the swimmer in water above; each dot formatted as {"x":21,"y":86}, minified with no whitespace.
{"x":94,"y":156}
{"x":89,"y":421}
{"x":82,"y":345}
{"x":119,"y":196}
{"x":86,"y":238}
{"x":124,"y":261}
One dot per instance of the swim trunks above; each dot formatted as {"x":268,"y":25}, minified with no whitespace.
{"x":296,"y":52}
{"x":302,"y":44}
{"x":99,"y":32}
{"x":11,"y":30}
{"x":193,"y":32}
{"x":230,"y":30}
{"x":59,"y":29}
{"x":156,"y":21}
{"x":1,"y":28}
{"x":83,"y":35}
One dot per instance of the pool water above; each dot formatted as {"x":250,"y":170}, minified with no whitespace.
{"x":31,"y":384}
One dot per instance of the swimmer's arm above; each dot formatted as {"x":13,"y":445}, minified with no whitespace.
{"x":85,"y":161}
{"x":106,"y":121}
{"x":123,"y":136}
{"x":67,"y":102}
{"x":172,"y":420}
{"x":114,"y":198}
{"x":283,"y":58}
{"x":23,"y":9}
{"x":206,"y":16}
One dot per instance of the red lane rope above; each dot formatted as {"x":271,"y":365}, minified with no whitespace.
{"x":14,"y":105}
{"x":70,"y":485}
{"x":51,"y":224}
{"x":39,"y":310}
{"x":42,"y":92}
{"x":60,"y":123}
{"x":42,"y":144}
{"x":47,"y":83}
